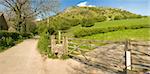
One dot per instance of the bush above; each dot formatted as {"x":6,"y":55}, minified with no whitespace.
{"x":87,"y":22}
{"x":6,"y":42}
{"x":8,"y":39}
{"x":43,"y":46}
{"x":43,"y":43}
{"x":100,"y":18}
{"x":118,"y":17}
{"x":25,"y":35}
{"x":90,"y":31}
{"x":13,"y":35}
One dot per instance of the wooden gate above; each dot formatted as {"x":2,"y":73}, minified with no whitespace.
{"x":59,"y":47}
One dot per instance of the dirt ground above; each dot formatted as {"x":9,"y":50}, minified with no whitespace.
{"x":25,"y":59}
{"x":110,"y":59}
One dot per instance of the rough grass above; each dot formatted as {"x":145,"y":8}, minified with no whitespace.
{"x":43,"y":43}
{"x":127,"y":22}
{"x":137,"y":23}
{"x":138,"y":34}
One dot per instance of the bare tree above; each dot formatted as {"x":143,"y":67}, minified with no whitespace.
{"x":23,"y":10}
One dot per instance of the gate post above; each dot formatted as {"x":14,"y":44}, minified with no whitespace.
{"x":53,"y":43}
{"x":127,"y":56}
{"x":59,"y":37}
{"x":65,"y":44}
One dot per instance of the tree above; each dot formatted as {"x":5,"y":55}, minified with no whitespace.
{"x":87,"y":22}
{"x":23,"y":10}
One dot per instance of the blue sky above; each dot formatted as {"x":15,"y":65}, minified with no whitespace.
{"x":141,"y":7}
{"x":136,"y":6}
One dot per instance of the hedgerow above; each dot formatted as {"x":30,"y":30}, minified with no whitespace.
{"x":90,"y":31}
{"x":8,"y":39}
{"x":43,"y":43}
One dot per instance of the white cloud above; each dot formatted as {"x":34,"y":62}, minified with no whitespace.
{"x":91,"y":6}
{"x":82,"y":4}
{"x":38,"y":19}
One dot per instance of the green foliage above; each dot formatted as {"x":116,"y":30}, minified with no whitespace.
{"x":42,"y":26}
{"x":90,"y":31}
{"x":13,"y":35}
{"x":25,"y":35}
{"x":64,"y":56}
{"x":100,"y":18}
{"x":134,"y":34}
{"x":43,"y":43}
{"x":118,"y":17}
{"x":32,"y":28}
{"x":6,"y":42}
{"x":86,"y":16}
{"x":8,"y":39}
{"x":128,"y":22}
{"x":87,"y":22}
{"x":110,"y":26}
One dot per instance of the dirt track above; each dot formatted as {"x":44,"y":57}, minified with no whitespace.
{"x":25,"y":59}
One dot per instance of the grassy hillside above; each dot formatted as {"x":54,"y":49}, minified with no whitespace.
{"x":137,"y":34}
{"x":74,"y":16}
{"x":109,"y":26}
{"x":127,"y":22}
{"x":80,"y":22}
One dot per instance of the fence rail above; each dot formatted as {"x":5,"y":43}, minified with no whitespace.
{"x":70,"y":45}
{"x":128,"y":48}
{"x":133,"y":42}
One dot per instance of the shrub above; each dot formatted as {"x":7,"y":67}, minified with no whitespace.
{"x":100,"y":18}
{"x":118,"y":17}
{"x":8,"y":39}
{"x":87,"y":22}
{"x":43,"y":43}
{"x":26,"y":35}
{"x":90,"y":31}
{"x":13,"y":35}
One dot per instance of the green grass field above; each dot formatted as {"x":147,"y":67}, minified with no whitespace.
{"x":127,"y":22}
{"x":138,"y":34}
{"x":115,"y":23}
{"x":116,"y":30}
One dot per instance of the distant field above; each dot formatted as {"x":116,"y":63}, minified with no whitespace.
{"x":138,"y":34}
{"x":127,"y":22}
{"x":110,"y":26}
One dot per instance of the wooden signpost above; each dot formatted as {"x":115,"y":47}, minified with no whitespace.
{"x":128,"y":64}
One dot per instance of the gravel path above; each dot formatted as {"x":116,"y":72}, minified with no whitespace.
{"x":21,"y":59}
{"x":25,"y":59}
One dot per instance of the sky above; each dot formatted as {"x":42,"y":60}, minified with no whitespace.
{"x":141,"y":7}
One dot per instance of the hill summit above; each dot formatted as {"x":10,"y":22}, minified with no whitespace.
{"x":74,"y":16}
{"x":97,"y":12}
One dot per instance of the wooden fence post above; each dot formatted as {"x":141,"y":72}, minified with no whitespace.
{"x":53,"y":43}
{"x":59,"y":37}
{"x":65,"y":44}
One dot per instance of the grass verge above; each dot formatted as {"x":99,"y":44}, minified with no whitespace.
{"x":137,"y":34}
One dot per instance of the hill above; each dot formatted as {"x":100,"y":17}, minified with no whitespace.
{"x":74,"y":16}
{"x":109,"y":26}
{"x":114,"y":30}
